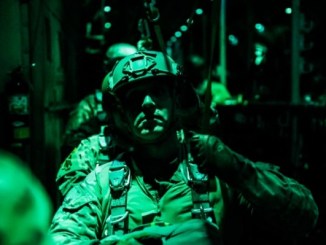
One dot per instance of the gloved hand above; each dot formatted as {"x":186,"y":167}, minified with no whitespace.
{"x":213,"y":156}
{"x":194,"y":231}
{"x":120,"y":240}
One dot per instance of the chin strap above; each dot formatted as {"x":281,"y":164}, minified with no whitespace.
{"x":198,"y":182}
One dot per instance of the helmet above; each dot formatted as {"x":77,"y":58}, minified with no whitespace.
{"x":117,"y":51}
{"x":139,"y":68}
{"x":120,"y":50}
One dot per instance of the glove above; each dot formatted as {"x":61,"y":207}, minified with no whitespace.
{"x":119,"y":240}
{"x":213,"y":156}
{"x":194,"y":231}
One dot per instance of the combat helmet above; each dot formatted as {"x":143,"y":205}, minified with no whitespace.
{"x":116,"y":52}
{"x":137,"y":69}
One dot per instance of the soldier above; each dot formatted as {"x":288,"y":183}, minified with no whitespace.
{"x":169,"y":182}
{"x":88,"y":116}
{"x":84,"y":121}
{"x":25,"y":207}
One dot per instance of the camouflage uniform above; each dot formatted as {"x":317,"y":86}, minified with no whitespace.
{"x":81,"y":161}
{"x":114,"y":201}
{"x":260,"y":193}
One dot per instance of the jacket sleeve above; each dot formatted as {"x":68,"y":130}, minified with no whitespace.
{"x":284,"y":205}
{"x":80,"y":162}
{"x":78,"y":220}
{"x":278,"y":201}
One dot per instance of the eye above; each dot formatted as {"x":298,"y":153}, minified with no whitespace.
{"x":157,"y":91}
{"x":133,"y":98}
{"x":160,"y":92}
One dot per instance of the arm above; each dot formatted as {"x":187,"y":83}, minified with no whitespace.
{"x":80,"y":162}
{"x":78,"y":220}
{"x":279,"y":201}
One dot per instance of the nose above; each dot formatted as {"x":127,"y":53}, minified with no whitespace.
{"x":148,"y":105}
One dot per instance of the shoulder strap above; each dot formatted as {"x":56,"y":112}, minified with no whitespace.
{"x":119,"y":182}
{"x":104,"y":142}
{"x":101,"y":114}
{"x":199,"y":184}
{"x":197,"y":181}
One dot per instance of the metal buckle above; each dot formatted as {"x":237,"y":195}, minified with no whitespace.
{"x":117,"y":218}
{"x":202,"y":213}
{"x":119,"y":177}
{"x":195,"y":178}
{"x":113,"y":224}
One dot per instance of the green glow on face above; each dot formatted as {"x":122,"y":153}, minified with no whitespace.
{"x":149,"y":111}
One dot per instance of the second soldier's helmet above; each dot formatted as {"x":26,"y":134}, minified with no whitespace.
{"x":116,"y":52}
{"x":145,"y":67}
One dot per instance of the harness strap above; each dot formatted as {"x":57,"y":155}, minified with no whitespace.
{"x":101,"y":114}
{"x":201,"y":207}
{"x":103,"y":141}
{"x":119,"y":180}
{"x":198,"y":182}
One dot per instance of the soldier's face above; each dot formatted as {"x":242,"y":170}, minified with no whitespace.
{"x":149,"y":110}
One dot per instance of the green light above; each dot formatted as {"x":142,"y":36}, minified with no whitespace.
{"x":260,"y":53}
{"x":259,"y":27}
{"x":288,"y":11}
{"x":107,"y":9}
{"x":183,"y":28}
{"x":233,"y":40}
{"x":107,"y":25}
{"x":199,"y":11}
{"x":178,"y":33}
{"x":190,"y":21}
{"x":173,"y":39}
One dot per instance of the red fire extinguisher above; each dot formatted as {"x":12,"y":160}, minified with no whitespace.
{"x":18,"y":96}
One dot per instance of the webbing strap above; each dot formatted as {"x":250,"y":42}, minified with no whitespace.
{"x":199,"y":184}
{"x":118,"y":219}
{"x":201,"y":206}
{"x":197,"y":181}
{"x":103,"y":141}
{"x":119,"y":180}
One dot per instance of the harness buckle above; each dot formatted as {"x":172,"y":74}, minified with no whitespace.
{"x":117,"y":218}
{"x":196,"y":179}
{"x":203,"y":213}
{"x":119,"y":176}
{"x":117,"y":224}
